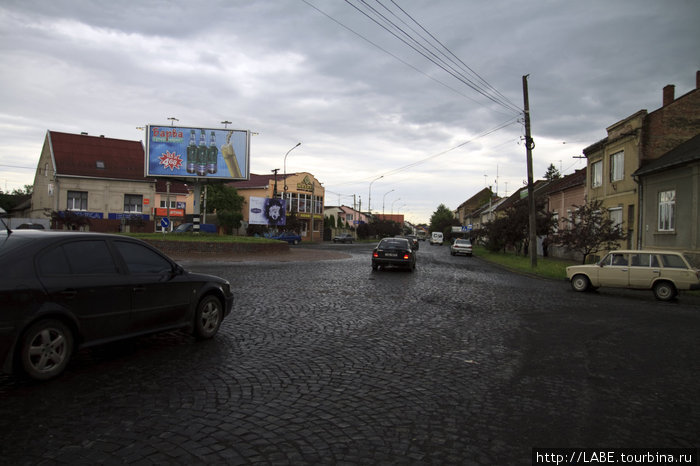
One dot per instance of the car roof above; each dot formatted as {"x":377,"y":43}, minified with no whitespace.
{"x":644,"y":251}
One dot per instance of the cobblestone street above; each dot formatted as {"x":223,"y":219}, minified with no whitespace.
{"x":324,"y":361}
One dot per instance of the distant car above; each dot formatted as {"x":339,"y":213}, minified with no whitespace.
{"x":394,"y":252}
{"x":436,"y":237}
{"x":664,"y":272}
{"x":61,"y":291}
{"x":30,"y":226}
{"x":189,"y":228}
{"x":414,"y":240}
{"x":461,"y":246}
{"x":288,"y":236}
{"x":343,"y":238}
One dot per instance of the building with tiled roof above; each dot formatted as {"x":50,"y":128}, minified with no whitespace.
{"x":94,"y":176}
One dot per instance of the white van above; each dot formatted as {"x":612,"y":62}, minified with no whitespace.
{"x":436,"y":238}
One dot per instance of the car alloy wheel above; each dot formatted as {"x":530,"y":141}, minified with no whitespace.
{"x":207,"y":319}
{"x":46,"y":348}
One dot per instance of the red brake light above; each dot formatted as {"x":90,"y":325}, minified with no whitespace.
{"x":405,"y":256}
{"x":374,"y":254}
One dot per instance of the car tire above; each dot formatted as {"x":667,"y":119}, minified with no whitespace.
{"x":208,"y":317}
{"x":375,"y":266}
{"x":580,"y":282}
{"x":665,"y":291}
{"x":46,"y":348}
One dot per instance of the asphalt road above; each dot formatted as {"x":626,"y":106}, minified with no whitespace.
{"x":327,"y":362}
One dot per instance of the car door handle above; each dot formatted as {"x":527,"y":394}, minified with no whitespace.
{"x":624,"y":270}
{"x":69,"y":293}
{"x":139,"y":289}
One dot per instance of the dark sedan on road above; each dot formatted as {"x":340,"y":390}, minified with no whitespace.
{"x":394,"y":252}
{"x":61,"y":291}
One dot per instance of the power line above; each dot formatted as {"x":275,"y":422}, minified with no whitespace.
{"x":391,"y":54}
{"x":431,"y":56}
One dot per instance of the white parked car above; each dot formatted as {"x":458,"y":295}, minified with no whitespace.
{"x":461,"y":246}
{"x":664,"y":272}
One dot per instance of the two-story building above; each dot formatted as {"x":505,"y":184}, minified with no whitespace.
{"x":631,"y":144}
{"x":96,"y":177}
{"x":304,"y":196}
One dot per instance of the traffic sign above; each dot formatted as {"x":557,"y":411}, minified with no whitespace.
{"x":164,"y":222}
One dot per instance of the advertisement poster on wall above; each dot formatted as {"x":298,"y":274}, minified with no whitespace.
{"x":203,"y":153}
{"x":266,"y":211}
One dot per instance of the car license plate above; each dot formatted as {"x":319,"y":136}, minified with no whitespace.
{"x":390,"y":254}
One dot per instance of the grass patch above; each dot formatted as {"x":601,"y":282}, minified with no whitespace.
{"x":546,"y":267}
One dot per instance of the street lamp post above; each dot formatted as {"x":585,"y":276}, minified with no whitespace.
{"x":369,"y":200}
{"x":392,"y":205}
{"x":384,"y":199}
{"x":285,"y":166}
{"x":172,"y":120}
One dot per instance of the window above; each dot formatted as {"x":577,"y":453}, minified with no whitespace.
{"x":163,"y":204}
{"x":555,"y":221}
{"x":77,"y":200}
{"x":667,"y":208}
{"x":133,"y":202}
{"x":597,"y":174}
{"x":617,"y":166}
{"x":673,"y":261}
{"x":616,"y":216}
{"x":140,"y":259}
{"x":78,"y":257}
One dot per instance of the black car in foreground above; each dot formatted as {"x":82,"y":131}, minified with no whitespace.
{"x":394,"y":252}
{"x":60,"y":291}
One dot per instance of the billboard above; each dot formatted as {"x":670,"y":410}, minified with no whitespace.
{"x":203,"y":153}
{"x":266,"y":211}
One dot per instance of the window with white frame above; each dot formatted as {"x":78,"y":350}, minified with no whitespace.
{"x":173,"y":204}
{"x":615,"y":215}
{"x":667,"y":209}
{"x":133,"y":203}
{"x":555,"y":221}
{"x":617,"y":166}
{"x":77,"y":200}
{"x":597,"y":174}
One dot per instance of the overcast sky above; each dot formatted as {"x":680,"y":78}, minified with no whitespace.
{"x":362,"y":103}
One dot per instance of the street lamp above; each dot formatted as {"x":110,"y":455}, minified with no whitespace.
{"x":392,"y":205}
{"x":285,"y":166}
{"x":226,"y":123}
{"x":369,"y":200}
{"x":384,"y":198}
{"x":172,"y":120}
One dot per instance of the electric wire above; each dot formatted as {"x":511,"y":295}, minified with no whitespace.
{"x":391,"y":54}
{"x":430,"y":55}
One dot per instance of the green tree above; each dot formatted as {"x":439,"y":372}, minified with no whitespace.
{"x":512,"y":229}
{"x":443,"y":220}
{"x":590,"y":230}
{"x":228,"y":205}
{"x":552,"y":173}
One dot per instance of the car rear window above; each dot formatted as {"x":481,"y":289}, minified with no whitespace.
{"x":672,"y":261}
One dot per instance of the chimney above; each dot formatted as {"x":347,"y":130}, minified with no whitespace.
{"x":697,"y":79}
{"x":669,"y":93}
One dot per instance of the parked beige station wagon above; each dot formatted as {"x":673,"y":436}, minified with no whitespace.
{"x":665,"y":272}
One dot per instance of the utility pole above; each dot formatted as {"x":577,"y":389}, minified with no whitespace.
{"x":529,"y":145}
{"x":274,"y":192}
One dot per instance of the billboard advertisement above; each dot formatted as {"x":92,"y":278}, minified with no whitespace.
{"x":203,"y":153}
{"x":266,"y":211}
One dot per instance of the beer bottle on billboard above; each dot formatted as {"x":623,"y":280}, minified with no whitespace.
{"x":201,"y":164}
{"x":212,"y":155}
{"x":191,"y":153}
